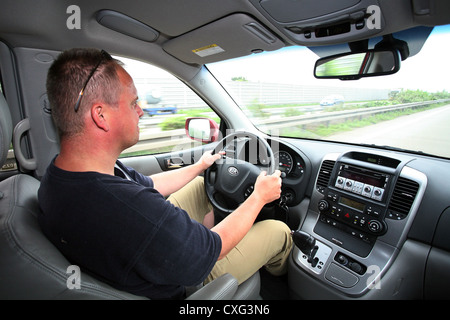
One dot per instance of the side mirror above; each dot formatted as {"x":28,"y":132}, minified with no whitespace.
{"x":202,"y":129}
{"x":353,"y":66}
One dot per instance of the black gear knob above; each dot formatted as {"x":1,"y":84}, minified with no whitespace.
{"x":304,"y":241}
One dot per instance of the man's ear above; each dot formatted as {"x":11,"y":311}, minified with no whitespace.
{"x":99,"y":117}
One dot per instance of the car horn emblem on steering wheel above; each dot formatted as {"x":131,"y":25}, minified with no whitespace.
{"x":233,"y":171}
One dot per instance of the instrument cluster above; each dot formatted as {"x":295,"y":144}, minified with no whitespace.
{"x":292,"y":165}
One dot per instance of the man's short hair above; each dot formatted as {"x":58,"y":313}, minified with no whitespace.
{"x":67,"y":76}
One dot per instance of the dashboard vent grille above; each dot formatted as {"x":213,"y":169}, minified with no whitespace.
{"x":324,"y":174}
{"x":403,"y":196}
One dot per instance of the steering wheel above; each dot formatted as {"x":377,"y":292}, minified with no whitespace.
{"x":229,"y":181}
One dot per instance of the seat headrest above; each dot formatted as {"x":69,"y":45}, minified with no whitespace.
{"x":6,"y":129}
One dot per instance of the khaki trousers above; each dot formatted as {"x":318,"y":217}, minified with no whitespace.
{"x":268,"y":243}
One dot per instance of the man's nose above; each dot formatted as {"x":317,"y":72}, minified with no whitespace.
{"x":139,"y":111}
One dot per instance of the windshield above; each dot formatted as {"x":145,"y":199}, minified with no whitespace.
{"x":407,"y":110}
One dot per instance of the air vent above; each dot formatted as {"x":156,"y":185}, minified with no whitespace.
{"x":324,"y":175}
{"x":402,"y":199}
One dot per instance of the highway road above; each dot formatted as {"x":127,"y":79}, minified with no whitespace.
{"x":427,"y":131}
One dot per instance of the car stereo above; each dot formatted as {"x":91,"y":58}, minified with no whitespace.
{"x":361,"y":181}
{"x":355,"y":204}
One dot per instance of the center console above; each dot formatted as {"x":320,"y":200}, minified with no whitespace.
{"x":359,"y":215}
{"x":355,"y":203}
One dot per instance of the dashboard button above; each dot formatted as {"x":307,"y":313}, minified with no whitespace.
{"x":375,"y":226}
{"x":348,"y":185}
{"x":377,"y":194}
{"x":367,"y":190}
{"x":340,"y":182}
{"x":323,"y":206}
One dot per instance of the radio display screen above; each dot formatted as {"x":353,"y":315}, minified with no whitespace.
{"x":364,"y":176}
{"x":352,"y":203}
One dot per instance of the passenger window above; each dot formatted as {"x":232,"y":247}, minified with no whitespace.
{"x":166,"y":103}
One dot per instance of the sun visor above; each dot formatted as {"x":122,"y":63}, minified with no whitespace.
{"x":233,"y":36}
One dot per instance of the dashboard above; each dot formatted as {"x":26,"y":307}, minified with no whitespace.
{"x":361,"y":209}
{"x":367,"y":244}
{"x":380,"y":220}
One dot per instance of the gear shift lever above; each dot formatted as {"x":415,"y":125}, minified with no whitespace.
{"x":306,"y":243}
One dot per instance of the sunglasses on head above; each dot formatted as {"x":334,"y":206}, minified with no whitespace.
{"x":104,"y":56}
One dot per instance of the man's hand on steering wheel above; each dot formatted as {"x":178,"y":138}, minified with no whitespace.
{"x":208,"y":159}
{"x":268,"y":187}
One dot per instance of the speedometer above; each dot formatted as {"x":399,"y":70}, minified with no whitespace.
{"x":284,"y":161}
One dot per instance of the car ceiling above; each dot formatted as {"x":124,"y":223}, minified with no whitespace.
{"x":179,"y":27}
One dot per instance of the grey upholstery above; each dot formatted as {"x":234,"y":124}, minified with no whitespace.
{"x":32,"y":268}
{"x":228,"y":287}
{"x":6,"y":129}
{"x":250,"y":289}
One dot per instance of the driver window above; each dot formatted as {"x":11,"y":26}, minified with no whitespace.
{"x":166,"y":103}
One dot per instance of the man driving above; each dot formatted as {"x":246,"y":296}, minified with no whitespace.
{"x":137,"y":233}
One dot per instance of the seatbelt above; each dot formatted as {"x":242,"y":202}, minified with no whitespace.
{"x":120,"y":173}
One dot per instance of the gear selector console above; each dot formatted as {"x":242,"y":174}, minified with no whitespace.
{"x":313,"y":254}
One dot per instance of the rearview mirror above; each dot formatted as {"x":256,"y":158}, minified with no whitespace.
{"x":202,"y":129}
{"x":353,"y":66}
